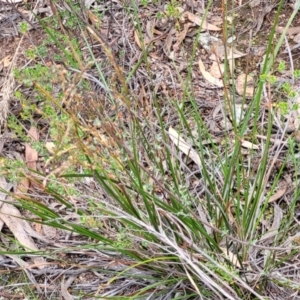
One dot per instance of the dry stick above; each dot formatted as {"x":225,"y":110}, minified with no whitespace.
{"x":110,"y":18}
{"x":12,"y":296}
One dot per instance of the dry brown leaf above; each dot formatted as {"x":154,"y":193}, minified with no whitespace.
{"x":31,"y":155}
{"x":240,"y":83}
{"x":296,"y":114}
{"x":8,"y":88}
{"x":150,"y":27}
{"x":1,"y":225}
{"x":297,"y":38}
{"x":219,"y":51}
{"x":208,"y":76}
{"x":215,"y":69}
{"x":6,"y":61}
{"x":20,"y":228}
{"x":239,"y":111}
{"x":93,"y":18}
{"x":12,"y":218}
{"x":50,"y":146}
{"x":231,"y":257}
{"x":64,"y":287}
{"x":278,"y":194}
{"x":23,"y":186}
{"x":184,"y":146}
{"x":137,"y":39}
{"x":37,"y":227}
{"x":249,"y":145}
{"x":181,"y":37}
{"x":237,"y":53}
{"x":49,"y":231}
{"x":273,"y":231}
{"x":278,"y":216}
{"x":229,"y":19}
{"x":231,"y":61}
{"x":290,"y":31}
{"x":231,"y":39}
{"x":168,"y":43}
{"x":6,"y":187}
{"x":198,"y":21}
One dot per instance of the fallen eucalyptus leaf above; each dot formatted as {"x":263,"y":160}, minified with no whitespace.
{"x":208,"y":76}
{"x":216,"y":68}
{"x":240,"y":83}
{"x":278,"y":194}
{"x":249,"y":145}
{"x":199,"y":21}
{"x":231,"y":257}
{"x":184,"y":146}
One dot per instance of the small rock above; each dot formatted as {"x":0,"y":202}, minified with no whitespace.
{"x":205,"y":40}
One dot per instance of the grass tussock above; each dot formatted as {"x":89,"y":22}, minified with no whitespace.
{"x":170,"y":206}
